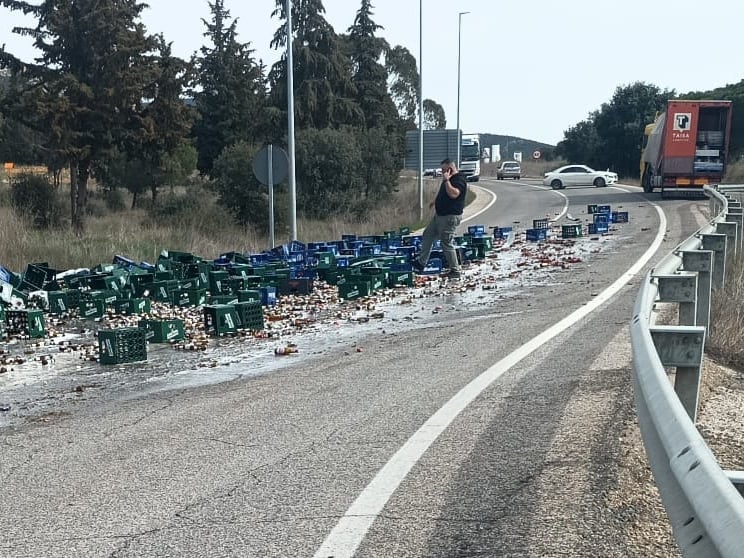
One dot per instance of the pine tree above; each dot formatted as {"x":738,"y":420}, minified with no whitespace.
{"x":323,"y":89}
{"x":369,"y":75}
{"x":228,"y":89}
{"x":86,"y":90}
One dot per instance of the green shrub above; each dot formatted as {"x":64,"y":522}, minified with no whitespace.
{"x":34,"y":196}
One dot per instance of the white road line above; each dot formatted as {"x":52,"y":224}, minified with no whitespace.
{"x":351,"y":529}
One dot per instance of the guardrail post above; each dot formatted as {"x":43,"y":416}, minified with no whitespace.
{"x":729,"y":229}
{"x":702,"y":262}
{"x":738,"y":218}
{"x":680,"y":288}
{"x":717,"y":244}
{"x":682,"y":347}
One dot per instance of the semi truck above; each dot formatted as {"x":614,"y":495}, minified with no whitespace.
{"x":442,"y":144}
{"x":686,"y":147}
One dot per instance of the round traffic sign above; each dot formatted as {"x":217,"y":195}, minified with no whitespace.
{"x":279,"y":165}
{"x":536,"y":154}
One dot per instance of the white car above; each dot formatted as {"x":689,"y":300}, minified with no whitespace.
{"x":578,"y":175}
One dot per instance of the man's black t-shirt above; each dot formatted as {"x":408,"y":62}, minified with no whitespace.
{"x":445,"y":205}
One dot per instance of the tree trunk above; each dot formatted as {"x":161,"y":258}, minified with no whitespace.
{"x":81,"y":200}
{"x":154,"y":190}
{"x":73,"y":193}
{"x":134,"y":200}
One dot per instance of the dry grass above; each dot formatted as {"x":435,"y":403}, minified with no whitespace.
{"x":727,"y":318}
{"x":207,"y":233}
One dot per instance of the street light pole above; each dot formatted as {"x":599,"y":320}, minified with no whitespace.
{"x":421,"y":110}
{"x":291,"y":128}
{"x":459,"y":33}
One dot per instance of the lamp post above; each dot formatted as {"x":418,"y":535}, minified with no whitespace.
{"x":291,"y":127}
{"x":421,"y":110}
{"x":459,"y":33}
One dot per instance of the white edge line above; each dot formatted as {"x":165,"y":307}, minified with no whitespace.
{"x":353,"y":526}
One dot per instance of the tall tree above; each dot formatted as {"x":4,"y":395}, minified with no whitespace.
{"x":403,"y":83}
{"x":323,"y":88}
{"x":368,"y":74}
{"x":620,"y":124}
{"x":434,"y":118}
{"x":86,"y":87}
{"x":228,"y":89}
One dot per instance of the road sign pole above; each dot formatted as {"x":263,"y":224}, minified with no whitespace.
{"x":270,"y":155}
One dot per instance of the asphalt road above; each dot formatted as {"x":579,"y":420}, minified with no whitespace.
{"x":268,"y":462}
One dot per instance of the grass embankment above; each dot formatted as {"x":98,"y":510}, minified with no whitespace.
{"x":206,"y":231}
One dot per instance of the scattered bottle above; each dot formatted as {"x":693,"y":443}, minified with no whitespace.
{"x":287,"y":350}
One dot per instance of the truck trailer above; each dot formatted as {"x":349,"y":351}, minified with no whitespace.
{"x":442,"y":144}
{"x":686,"y":147}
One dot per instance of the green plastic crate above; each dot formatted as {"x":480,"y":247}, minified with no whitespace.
{"x":350,"y":290}
{"x":91,"y":309}
{"x":163,"y":331}
{"x":189,"y":297}
{"x":220,"y":319}
{"x":250,"y":315}
{"x":224,"y":299}
{"x":248,"y":295}
{"x":58,"y":302}
{"x":139,"y":305}
{"x":25,"y":322}
{"x":118,"y":346}
{"x":400,"y":278}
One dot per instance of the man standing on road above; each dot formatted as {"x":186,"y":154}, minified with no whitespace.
{"x":448,"y":206}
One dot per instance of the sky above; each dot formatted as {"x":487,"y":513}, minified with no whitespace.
{"x":530,"y":69}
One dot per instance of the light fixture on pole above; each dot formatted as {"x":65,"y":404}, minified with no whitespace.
{"x":459,"y":33}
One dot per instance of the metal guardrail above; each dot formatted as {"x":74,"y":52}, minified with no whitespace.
{"x":703,"y":502}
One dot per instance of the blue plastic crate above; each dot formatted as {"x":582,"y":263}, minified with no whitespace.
{"x":619,"y":216}
{"x":540,"y":223}
{"x":344,"y":261}
{"x":535,"y":235}
{"x":604,"y":209}
{"x":268,"y":295}
{"x":433,"y":266}
{"x":598,"y":228}
{"x":477,"y":229}
{"x":602,"y":218}
{"x":348,"y":237}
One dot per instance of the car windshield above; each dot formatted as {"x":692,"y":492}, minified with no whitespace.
{"x":511,"y":165}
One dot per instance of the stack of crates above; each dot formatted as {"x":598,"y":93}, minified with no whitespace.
{"x":163,"y":331}
{"x":25,"y":322}
{"x":118,"y":346}
{"x":539,"y":230}
{"x":602,"y":216}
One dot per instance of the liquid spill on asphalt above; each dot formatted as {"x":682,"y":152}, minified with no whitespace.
{"x":33,"y":390}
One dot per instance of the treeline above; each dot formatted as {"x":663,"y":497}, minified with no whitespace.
{"x":611,"y":136}
{"x":106,"y":99}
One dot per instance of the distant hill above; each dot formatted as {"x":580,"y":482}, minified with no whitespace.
{"x":510,"y":144}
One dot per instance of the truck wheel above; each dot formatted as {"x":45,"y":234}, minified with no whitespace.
{"x":556,"y":184}
{"x":646,"y":182}
{"x":599,"y":182}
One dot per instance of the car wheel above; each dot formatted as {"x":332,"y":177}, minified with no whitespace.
{"x":556,"y":185}
{"x":600,"y":182}
{"x":517,"y":177}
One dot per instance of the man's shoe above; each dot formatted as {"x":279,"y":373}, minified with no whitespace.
{"x":417,"y":267}
{"x":453,"y":274}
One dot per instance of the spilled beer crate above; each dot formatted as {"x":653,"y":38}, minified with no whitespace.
{"x":25,"y":322}
{"x":220,"y":319}
{"x":163,"y":331}
{"x":118,"y":346}
{"x":571,"y":231}
{"x":250,"y":315}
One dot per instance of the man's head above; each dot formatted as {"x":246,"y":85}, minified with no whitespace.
{"x":448,"y":165}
